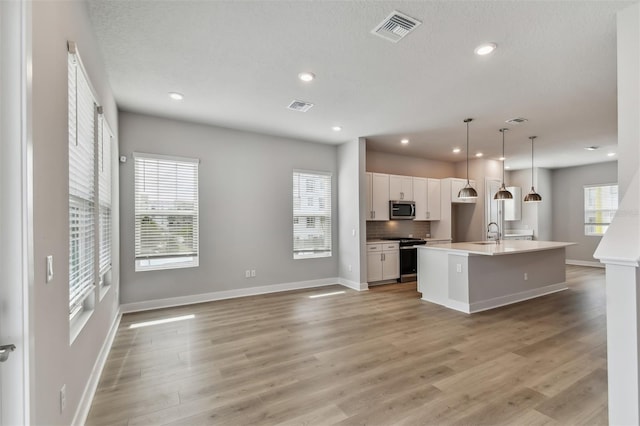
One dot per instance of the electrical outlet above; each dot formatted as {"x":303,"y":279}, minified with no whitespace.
{"x":526,"y":277}
{"x":247,"y":274}
{"x":253,"y":273}
{"x":458,"y":267}
{"x":63,"y":398}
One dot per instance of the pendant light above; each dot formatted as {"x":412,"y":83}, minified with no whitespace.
{"x":468,"y":192}
{"x":502,"y":193}
{"x":532,"y":196}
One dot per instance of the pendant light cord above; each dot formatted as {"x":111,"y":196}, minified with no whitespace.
{"x":503,"y":159}
{"x":467,"y":121}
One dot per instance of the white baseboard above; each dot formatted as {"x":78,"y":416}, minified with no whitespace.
{"x":593,"y":264}
{"x":80,"y":417}
{"x":353,"y":285}
{"x":517,"y":297}
{"x":498,"y":301}
{"x":225,"y":294}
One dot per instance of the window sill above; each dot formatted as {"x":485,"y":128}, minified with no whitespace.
{"x":77,"y":324}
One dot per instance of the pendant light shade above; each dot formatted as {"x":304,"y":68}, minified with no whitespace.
{"x":532,"y":196}
{"x":502,"y":193}
{"x":468,"y":192}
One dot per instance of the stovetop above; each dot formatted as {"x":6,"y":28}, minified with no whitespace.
{"x":406,"y":241}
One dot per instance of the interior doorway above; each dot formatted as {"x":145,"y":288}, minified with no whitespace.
{"x":15,"y":255}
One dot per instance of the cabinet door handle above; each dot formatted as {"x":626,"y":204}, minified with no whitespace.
{"x":402,"y":195}
{"x":428,"y":215}
{"x":374,"y":214}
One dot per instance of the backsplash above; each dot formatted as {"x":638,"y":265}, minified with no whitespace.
{"x":397,"y":228}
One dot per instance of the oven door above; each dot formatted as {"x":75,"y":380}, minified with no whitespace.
{"x":408,"y":263}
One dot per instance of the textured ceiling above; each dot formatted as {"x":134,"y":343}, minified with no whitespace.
{"x":237,"y":63}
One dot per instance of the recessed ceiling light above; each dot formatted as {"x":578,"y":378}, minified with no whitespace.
{"x":306,"y":76}
{"x":176,"y":96}
{"x":456,"y":150}
{"x":485,"y":49}
{"x":479,"y":154}
{"x":336,"y":128}
{"x":404,"y":141}
{"x":507,"y":167}
{"x":611,"y":154}
{"x":591,"y":148}
{"x":502,"y":158}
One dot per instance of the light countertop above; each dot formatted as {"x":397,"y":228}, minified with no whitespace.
{"x":490,"y":248}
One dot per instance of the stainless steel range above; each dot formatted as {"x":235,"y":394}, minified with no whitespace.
{"x":408,"y":256}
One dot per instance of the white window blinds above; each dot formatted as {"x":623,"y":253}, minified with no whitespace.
{"x":105,"y":141}
{"x":82,"y":114}
{"x":166,"y":212}
{"x":311,"y":214}
{"x":600,"y":205}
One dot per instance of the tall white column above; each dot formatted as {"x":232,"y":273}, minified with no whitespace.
{"x":619,"y":249}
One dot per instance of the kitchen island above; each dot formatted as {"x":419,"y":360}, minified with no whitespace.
{"x":476,"y":276}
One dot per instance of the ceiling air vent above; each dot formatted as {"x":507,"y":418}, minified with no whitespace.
{"x":396,"y":26}
{"x":517,"y":120}
{"x":301,"y":106}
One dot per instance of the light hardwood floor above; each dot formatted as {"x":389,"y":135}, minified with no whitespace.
{"x":379,"y":357}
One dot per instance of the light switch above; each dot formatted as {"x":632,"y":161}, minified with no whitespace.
{"x":458,"y":267}
{"x":49,"y":268}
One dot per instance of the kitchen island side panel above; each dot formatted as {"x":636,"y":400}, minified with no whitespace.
{"x":433,"y":279}
{"x":495,"y":276}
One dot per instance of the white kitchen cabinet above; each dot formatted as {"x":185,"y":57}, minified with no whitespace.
{"x":400,"y":188}
{"x":383,"y":261}
{"x":513,"y":207}
{"x":420,"y":197}
{"x":456,"y":186}
{"x":426,"y":194}
{"x":377,"y":196}
{"x":433,"y":199}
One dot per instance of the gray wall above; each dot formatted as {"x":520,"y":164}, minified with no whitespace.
{"x":470,"y":223}
{"x":568,"y":205}
{"x":628,"y":95}
{"x":536,"y":216}
{"x":351,"y":218}
{"x":56,"y":362}
{"x":382,"y":162}
{"x":246,"y":219}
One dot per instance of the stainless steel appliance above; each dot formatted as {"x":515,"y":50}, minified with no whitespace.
{"x":408,"y":257}
{"x":399,"y":209}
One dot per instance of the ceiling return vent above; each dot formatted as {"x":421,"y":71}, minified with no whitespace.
{"x":301,"y":106}
{"x":395,"y":26}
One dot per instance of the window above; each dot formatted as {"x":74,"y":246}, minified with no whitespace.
{"x":311,"y":218}
{"x":600,"y":205}
{"x":82,"y":192}
{"x":166,"y":212}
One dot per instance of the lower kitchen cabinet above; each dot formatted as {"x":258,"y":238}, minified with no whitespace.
{"x":383,"y":261}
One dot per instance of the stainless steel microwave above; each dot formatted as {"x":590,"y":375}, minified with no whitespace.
{"x":402,"y":209}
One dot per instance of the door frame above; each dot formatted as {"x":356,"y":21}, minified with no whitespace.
{"x":16,"y":209}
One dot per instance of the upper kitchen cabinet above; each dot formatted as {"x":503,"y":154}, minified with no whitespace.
{"x":400,"y":188}
{"x":456,"y":186}
{"x":433,"y":199}
{"x":513,"y":207}
{"x":378,"y":196}
{"x":426,"y":194}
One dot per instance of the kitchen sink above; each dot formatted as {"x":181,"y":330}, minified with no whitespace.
{"x":484,"y":243}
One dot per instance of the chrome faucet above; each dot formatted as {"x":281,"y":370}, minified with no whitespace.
{"x":497,"y":240}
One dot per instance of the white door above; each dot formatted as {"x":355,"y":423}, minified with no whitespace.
{"x":13,"y":218}
{"x":493,"y":208}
